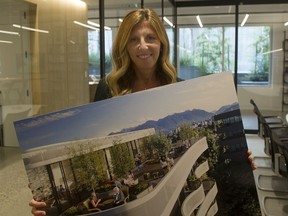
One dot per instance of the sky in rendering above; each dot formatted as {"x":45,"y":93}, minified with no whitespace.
{"x":101,"y":118}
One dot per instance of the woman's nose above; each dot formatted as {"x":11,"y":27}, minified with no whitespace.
{"x":142,"y":44}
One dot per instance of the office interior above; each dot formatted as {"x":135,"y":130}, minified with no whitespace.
{"x":46,"y":63}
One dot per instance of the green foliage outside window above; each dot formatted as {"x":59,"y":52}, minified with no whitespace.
{"x":212,"y":50}
{"x":262,"y":46}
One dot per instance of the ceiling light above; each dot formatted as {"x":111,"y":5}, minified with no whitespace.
{"x":286,"y":24}
{"x":97,"y":25}
{"x":9,"y":32}
{"x":229,"y":9}
{"x":199,"y":21}
{"x":168,"y":22}
{"x":2,"y":41}
{"x":120,"y":20}
{"x":272,"y":51}
{"x":245,"y":20}
{"x":84,"y":25}
{"x":30,"y":29}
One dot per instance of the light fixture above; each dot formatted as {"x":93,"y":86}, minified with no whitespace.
{"x":244,"y":20}
{"x":168,"y":22}
{"x":30,"y":29}
{"x":9,"y":32}
{"x":84,"y":25}
{"x":120,"y":20}
{"x":229,"y":9}
{"x":273,"y":51}
{"x":77,"y":3}
{"x":8,"y":42}
{"x":199,"y":21}
{"x":286,"y":24}
{"x":97,"y":25}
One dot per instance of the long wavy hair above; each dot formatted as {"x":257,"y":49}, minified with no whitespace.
{"x":120,"y":79}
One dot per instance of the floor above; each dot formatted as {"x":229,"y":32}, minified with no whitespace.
{"x":14,"y":191}
{"x":272,"y":190}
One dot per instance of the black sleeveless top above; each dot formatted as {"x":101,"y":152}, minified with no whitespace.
{"x":103,"y":91}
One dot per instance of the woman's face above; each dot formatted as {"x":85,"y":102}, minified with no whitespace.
{"x":144,"y":46}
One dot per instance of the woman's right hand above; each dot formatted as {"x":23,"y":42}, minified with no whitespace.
{"x":35,"y":205}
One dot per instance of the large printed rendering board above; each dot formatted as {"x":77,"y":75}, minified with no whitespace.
{"x":90,"y":147}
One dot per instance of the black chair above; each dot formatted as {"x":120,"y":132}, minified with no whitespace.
{"x":276,"y":182}
{"x":265,"y":124}
{"x":279,"y":151}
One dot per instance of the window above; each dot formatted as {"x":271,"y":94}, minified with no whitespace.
{"x":204,"y":51}
{"x":94,"y":53}
{"x":253,"y":57}
{"x":170,"y":34}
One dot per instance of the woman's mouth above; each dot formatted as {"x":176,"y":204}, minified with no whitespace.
{"x":144,"y":56}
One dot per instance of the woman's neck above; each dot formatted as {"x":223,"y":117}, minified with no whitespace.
{"x":145,"y":80}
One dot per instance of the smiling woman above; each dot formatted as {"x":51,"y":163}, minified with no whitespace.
{"x":144,"y":50}
{"x":140,"y":56}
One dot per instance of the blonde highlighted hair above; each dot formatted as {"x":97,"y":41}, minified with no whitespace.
{"x":120,"y":79}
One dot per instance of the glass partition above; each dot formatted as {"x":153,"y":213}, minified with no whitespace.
{"x":50,"y":54}
{"x":50,"y":69}
{"x":43,"y":59}
{"x":206,"y":40}
{"x":260,"y":54}
{"x":207,"y":44}
{"x":169,"y":21}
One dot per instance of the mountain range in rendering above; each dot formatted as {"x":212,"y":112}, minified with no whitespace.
{"x":171,"y":122}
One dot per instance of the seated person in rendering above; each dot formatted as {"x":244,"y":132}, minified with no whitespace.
{"x":94,"y":201}
{"x":118,"y":184}
{"x":170,"y":161}
{"x":163,"y":162}
{"x":138,"y":159}
{"x":118,"y":196}
{"x":62,"y":191}
{"x":130,"y":181}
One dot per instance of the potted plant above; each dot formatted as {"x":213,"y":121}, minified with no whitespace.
{"x":193,"y":182}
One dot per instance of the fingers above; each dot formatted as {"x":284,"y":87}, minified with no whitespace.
{"x":36,"y":212}
{"x":249,"y":152}
{"x":34,"y":204}
{"x":251,"y":160}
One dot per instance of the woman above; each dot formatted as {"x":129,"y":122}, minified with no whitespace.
{"x":94,"y":201}
{"x":140,"y":56}
{"x":140,"y":60}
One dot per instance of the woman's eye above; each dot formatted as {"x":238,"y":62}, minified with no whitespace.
{"x":151,"y":38}
{"x":134,"y":39}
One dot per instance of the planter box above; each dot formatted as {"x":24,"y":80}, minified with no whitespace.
{"x":145,"y":192}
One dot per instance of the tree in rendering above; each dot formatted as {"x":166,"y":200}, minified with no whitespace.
{"x":89,"y":167}
{"x":122,"y":159}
